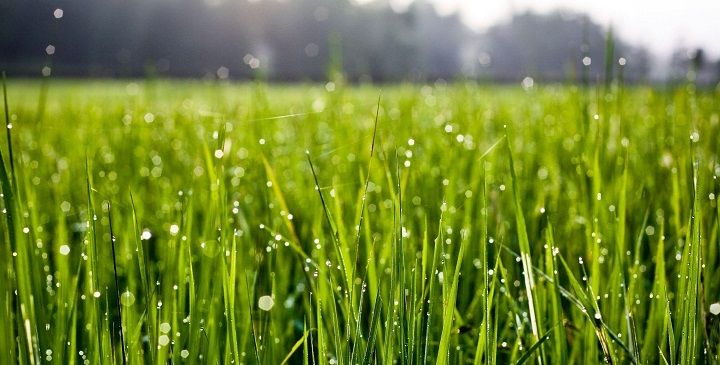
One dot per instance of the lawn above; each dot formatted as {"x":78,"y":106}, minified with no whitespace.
{"x":155,"y":221}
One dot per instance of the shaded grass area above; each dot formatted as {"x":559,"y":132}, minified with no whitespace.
{"x":159,"y":221}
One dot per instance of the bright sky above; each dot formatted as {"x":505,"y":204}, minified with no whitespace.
{"x":659,"y":25}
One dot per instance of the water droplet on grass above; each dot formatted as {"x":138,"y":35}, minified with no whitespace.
{"x":715,"y":309}
{"x":163,"y":340}
{"x":266,"y":302}
{"x":145,"y":235}
{"x":127,"y":298}
{"x":695,"y":137}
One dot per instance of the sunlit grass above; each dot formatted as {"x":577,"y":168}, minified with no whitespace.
{"x":156,"y":222}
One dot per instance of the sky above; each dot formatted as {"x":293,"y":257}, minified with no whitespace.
{"x":659,"y":25}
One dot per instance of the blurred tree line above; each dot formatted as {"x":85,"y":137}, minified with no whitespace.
{"x":296,"y":40}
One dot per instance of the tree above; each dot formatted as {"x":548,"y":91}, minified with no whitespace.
{"x":553,"y":47}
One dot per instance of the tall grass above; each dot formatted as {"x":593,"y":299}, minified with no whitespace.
{"x":216,"y":223}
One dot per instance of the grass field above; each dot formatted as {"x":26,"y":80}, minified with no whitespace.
{"x":174,"y":221}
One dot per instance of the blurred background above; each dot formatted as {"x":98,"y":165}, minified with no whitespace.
{"x":362,"y":40}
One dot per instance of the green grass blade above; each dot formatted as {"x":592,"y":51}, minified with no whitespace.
{"x":559,"y":342}
{"x":296,"y":346}
{"x":670,"y":333}
{"x":97,"y":344}
{"x":484,"y":340}
{"x":690,"y":271}
{"x":229,"y":284}
{"x":306,"y":352}
{"x":9,"y":126}
{"x":256,"y":346}
{"x":449,"y":309}
{"x":117,"y":285}
{"x":656,"y":329}
{"x":536,"y":346}
{"x":525,"y":252}
{"x":404,"y":327}
{"x":9,"y":282}
{"x":432,"y":295}
{"x":370,"y":347}
{"x":345,"y":266}
{"x":143,"y":268}
{"x":588,"y":306}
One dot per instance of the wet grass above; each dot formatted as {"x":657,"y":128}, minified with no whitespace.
{"x":168,"y":222}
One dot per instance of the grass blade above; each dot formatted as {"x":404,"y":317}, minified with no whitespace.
{"x":117,"y":285}
{"x":300,"y":342}
{"x":560,"y":341}
{"x":536,"y":346}
{"x":8,"y":128}
{"x":370,"y":348}
{"x":690,"y":270}
{"x":449,"y":308}
{"x":525,"y":252}
{"x":143,"y":268}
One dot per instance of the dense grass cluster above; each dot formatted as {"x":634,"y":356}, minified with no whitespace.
{"x":155,"y":222}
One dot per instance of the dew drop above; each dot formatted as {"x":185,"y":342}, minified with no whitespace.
{"x":64,"y":250}
{"x":715,"y":309}
{"x":163,"y":340}
{"x":266,"y":302}
{"x":127,"y":298}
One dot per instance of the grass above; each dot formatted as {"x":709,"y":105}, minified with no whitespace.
{"x":176,"y":221}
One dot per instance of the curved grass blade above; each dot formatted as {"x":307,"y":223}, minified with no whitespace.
{"x":526,"y":356}
{"x":582,"y":301}
{"x":8,"y":128}
{"x":8,"y":198}
{"x":333,"y":228}
{"x":300,"y":342}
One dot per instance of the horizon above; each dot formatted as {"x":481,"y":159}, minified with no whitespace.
{"x":448,"y":39}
